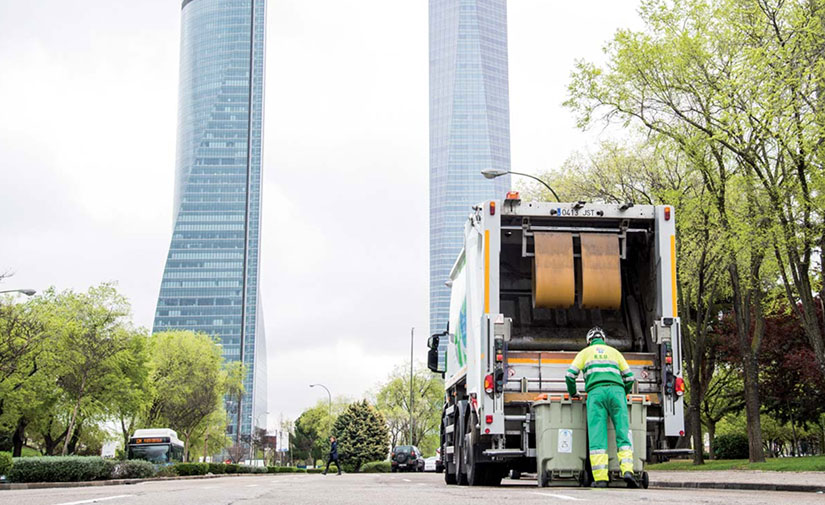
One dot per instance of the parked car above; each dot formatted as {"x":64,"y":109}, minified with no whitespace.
{"x":407,"y":458}
{"x":429,"y":464}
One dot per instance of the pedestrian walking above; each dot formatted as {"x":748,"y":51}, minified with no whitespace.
{"x":333,"y":455}
{"x":607,"y":379}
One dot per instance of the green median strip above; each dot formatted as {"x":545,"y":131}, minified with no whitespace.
{"x":802,"y":464}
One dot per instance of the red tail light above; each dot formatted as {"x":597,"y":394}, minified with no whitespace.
{"x":667,"y":213}
{"x":489,"y":419}
{"x":492,"y":208}
{"x":488,"y":383}
{"x":680,"y":386}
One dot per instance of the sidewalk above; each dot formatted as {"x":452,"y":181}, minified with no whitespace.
{"x":740,"y":479}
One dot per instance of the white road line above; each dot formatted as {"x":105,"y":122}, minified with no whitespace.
{"x":406,"y":480}
{"x":252,"y":485}
{"x":95,"y":500}
{"x":559,"y":496}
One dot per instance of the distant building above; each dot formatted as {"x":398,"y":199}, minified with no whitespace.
{"x":469,"y":127}
{"x":210,"y":282}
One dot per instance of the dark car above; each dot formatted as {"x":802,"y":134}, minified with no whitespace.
{"x":407,"y":458}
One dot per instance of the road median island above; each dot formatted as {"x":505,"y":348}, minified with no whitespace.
{"x":9,"y":486}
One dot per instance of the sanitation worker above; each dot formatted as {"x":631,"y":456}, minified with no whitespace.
{"x":607,"y":379}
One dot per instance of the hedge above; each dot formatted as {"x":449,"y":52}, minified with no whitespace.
{"x":315,"y":470}
{"x":730,"y":447}
{"x":134,"y":469}
{"x":231,"y":468}
{"x":216,"y":468}
{"x":5,"y":462}
{"x":376,"y":467}
{"x":192,"y":468}
{"x":61,"y":469}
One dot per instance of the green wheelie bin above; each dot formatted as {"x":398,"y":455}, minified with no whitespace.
{"x":561,"y":441}
{"x":637,"y":412}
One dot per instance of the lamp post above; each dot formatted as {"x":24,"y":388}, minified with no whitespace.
{"x":328,"y":394}
{"x":27,"y":292}
{"x":492,"y":173}
{"x":412,"y":337}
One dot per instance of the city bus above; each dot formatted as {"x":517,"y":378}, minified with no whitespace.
{"x":158,"y":446}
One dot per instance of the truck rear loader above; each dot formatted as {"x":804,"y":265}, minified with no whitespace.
{"x":531,"y":280}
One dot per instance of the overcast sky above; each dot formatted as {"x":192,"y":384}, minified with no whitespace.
{"x":87,"y":145}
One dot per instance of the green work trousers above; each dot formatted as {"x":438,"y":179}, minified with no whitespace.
{"x":604,"y":402}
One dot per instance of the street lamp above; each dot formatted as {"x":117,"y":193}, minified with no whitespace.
{"x":492,"y":173}
{"x":412,"y":336}
{"x":328,"y":394}
{"x":27,"y":292}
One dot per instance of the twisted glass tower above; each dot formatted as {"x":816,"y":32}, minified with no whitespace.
{"x":469,"y":127}
{"x":210,"y":282}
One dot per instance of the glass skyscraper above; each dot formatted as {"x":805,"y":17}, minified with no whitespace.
{"x":469,"y":127}
{"x":210,"y":282}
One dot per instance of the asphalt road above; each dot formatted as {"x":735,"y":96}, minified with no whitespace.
{"x":376,"y":489}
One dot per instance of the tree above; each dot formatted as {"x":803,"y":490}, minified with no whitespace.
{"x":94,"y":335}
{"x":362,"y":436}
{"x":188,"y":381}
{"x":313,"y":428}
{"x":704,"y":75}
{"x":393,"y":400}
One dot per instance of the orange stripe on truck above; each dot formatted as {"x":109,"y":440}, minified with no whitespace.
{"x":673,"y":272}
{"x":486,"y":271}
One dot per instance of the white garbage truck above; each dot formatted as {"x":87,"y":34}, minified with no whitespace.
{"x":532,"y":278}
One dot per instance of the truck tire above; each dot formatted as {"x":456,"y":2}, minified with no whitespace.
{"x":458,"y":440}
{"x":494,"y":475}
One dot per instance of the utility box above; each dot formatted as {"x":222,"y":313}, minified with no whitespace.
{"x":561,"y":441}
{"x":637,"y":413}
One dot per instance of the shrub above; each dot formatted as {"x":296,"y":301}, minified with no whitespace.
{"x":232,"y":468}
{"x":362,"y":435}
{"x":166,"y":471}
{"x":301,"y":470}
{"x":133,"y":469}
{"x":257,"y":469}
{"x":730,"y":447}
{"x":376,"y":467}
{"x":216,"y":468}
{"x":286,"y":469}
{"x":192,"y":468}
{"x":272,"y":469}
{"x":5,"y":463}
{"x":61,"y":469}
{"x":314,"y":470}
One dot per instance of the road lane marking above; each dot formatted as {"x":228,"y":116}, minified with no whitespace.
{"x":95,"y":500}
{"x":406,"y":480}
{"x":559,"y":496}
{"x":252,"y":485}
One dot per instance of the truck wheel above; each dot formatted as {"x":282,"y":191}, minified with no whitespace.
{"x":494,"y":475}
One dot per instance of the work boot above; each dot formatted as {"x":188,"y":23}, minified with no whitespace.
{"x":630,"y":479}
{"x":599,"y":483}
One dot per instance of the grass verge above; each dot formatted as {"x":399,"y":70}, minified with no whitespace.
{"x":803,"y":464}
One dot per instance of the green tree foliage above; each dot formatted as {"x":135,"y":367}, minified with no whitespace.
{"x":393,"y":400}
{"x":735,"y":86}
{"x":188,"y":382}
{"x":361,"y":431}
{"x":312,"y":429}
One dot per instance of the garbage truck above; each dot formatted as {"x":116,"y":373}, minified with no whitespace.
{"x":530,"y":281}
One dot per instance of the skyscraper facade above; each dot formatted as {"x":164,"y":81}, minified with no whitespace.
{"x":469,"y":127}
{"x":210,"y":282}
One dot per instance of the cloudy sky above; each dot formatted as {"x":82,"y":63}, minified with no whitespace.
{"x":87,"y":144}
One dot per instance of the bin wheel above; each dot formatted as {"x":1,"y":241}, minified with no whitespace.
{"x":586,"y":478}
{"x":544,"y":479}
{"x":645,"y":480}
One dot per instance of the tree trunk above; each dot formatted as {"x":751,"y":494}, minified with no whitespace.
{"x":696,"y":430}
{"x":73,"y":419}
{"x":711,"y":437}
{"x":752,"y":407}
{"x":19,"y":437}
{"x":75,"y":439}
{"x":186,"y":447}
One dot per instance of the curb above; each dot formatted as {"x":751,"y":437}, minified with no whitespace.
{"x":119,"y":482}
{"x":743,"y":486}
